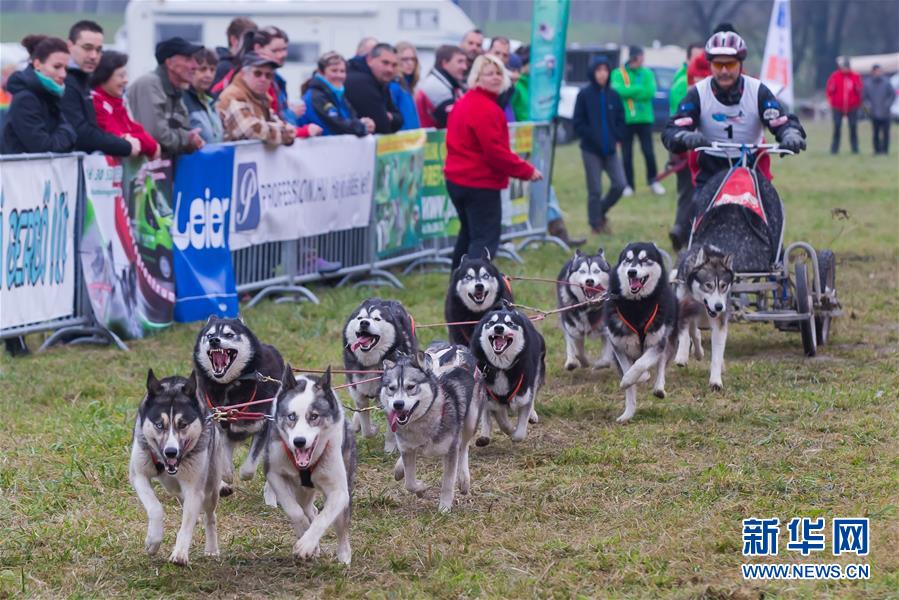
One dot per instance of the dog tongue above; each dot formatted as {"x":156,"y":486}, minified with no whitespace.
{"x":362,"y":340}
{"x":635,"y":283}
{"x":303,"y":456}
{"x":219,"y":360}
{"x":392,"y":416}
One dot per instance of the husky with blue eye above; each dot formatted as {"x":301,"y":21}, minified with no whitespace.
{"x":311,"y":449}
{"x":178,"y":446}
{"x":583,"y":279}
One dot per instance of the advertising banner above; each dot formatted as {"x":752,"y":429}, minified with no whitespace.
{"x":548,"y":31}
{"x":203,"y":269}
{"x":315,"y":186}
{"x":37,"y":240}
{"x":437,"y":215}
{"x":777,"y":63}
{"x":398,"y":181}
{"x":515,"y":197}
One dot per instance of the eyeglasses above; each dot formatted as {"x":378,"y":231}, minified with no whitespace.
{"x":729,"y":65}
{"x":267,"y":74}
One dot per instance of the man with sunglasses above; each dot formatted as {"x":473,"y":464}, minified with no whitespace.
{"x":85,"y":49}
{"x":156,"y":101}
{"x":728,"y":107}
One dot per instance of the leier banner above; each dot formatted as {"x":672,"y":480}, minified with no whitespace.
{"x":437,"y":215}
{"x":398,"y":178}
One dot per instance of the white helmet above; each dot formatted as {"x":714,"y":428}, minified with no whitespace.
{"x":725,"y":43}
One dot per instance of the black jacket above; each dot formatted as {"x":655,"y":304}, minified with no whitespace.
{"x":325,"y":110}
{"x":225,"y":64}
{"x":371,"y":98}
{"x":78,"y":107}
{"x":35,"y":122}
{"x":598,"y":119}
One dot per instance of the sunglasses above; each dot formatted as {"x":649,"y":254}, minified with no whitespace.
{"x":267,"y":74}
{"x":729,"y":65}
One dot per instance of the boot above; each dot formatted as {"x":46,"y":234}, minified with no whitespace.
{"x":556,"y":228}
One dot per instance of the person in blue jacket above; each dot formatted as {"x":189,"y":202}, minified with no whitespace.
{"x":402,"y":89}
{"x":326,"y":102}
{"x":599,"y":122}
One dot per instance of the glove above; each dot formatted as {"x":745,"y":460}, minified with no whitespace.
{"x":692,"y":139}
{"x":793,"y":141}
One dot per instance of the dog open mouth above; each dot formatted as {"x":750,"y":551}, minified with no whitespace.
{"x":712,"y":312}
{"x":500,"y":343}
{"x":478,"y":297}
{"x":400,"y":417}
{"x":221,"y":359}
{"x":171,"y":465}
{"x":592,"y":292}
{"x":636,"y":283}
{"x":365,"y":341}
{"x":303,"y":456}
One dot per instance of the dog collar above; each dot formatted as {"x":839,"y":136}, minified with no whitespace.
{"x":305,"y":473}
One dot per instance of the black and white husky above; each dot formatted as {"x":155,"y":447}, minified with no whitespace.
{"x":641,"y":320}
{"x":431,"y":416}
{"x":178,"y":446}
{"x":705,"y":276}
{"x":476,"y":287}
{"x":510,"y":354}
{"x":311,"y":448}
{"x":586,"y":279}
{"x":228,"y":359}
{"x":375,"y":331}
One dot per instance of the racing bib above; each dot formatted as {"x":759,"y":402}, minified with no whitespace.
{"x":737,"y":124}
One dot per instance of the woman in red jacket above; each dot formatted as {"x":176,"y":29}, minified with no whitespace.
{"x":108,"y":82}
{"x":479,"y":161}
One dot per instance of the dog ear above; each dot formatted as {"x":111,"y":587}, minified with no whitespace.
{"x":190,"y":388}
{"x":486,"y":255}
{"x":729,"y":262}
{"x":577,"y":254}
{"x":601,"y":252}
{"x":154,"y":387}
{"x":388,"y":364}
{"x":700,"y":256}
{"x":420,"y":359}
{"x":211,"y":317}
{"x":240,"y":318}
{"x":325,"y":382}
{"x":288,"y":381}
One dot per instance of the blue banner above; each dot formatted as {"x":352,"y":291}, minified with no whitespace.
{"x":548,"y":32}
{"x":204,"y":274}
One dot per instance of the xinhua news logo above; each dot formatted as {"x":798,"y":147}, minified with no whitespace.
{"x":807,"y":537}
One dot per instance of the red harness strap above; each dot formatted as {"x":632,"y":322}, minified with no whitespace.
{"x":305,"y":474}
{"x":507,"y":397}
{"x":233,"y":413}
{"x":640,"y":333}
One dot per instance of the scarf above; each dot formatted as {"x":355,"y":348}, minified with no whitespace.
{"x":338,"y":91}
{"x":50,"y":85}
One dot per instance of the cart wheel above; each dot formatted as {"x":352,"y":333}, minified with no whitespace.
{"x":827,"y":266}
{"x":803,"y":306}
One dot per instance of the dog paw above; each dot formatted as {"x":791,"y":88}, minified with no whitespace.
{"x":357,"y":423}
{"x":482,"y":441}
{"x":178,"y":557}
{"x":623,"y":419}
{"x":532,"y":417}
{"x":445,"y":507}
{"x":716,"y":386}
{"x":246,"y":473}
{"x":570,"y":365}
{"x":306,"y":548}
{"x":399,"y":471}
{"x":680,"y":362}
{"x":211,"y":552}
{"x":464,"y":484}
{"x":225,"y":490}
{"x":371,"y":431}
{"x":344,"y":555}
{"x":389,"y":446}
{"x":418,"y":488}
{"x":602,"y":364}
{"x":698,"y":353}
{"x":518,"y":437}
{"x":151,"y":545}
{"x":659,"y":393}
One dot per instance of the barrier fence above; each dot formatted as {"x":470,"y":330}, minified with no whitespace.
{"x":92,"y":247}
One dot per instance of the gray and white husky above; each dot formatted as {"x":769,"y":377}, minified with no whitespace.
{"x":705,"y":276}
{"x":311,"y":448}
{"x":376,"y":330}
{"x":178,"y":446}
{"x":641,"y":320}
{"x":431,"y":415}
{"x":586,"y":278}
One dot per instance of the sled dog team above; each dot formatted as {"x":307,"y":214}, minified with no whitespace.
{"x":436,"y":400}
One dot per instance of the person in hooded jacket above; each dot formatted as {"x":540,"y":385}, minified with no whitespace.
{"x":35,"y":122}
{"x":599,"y":122}
{"x":328,"y":106}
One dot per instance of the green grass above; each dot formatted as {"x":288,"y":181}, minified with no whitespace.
{"x":16,"y":25}
{"x":582,"y":508}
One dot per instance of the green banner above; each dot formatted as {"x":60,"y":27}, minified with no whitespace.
{"x":515,"y":198}
{"x":548,"y":33}
{"x":437,"y":215}
{"x":398,"y":177}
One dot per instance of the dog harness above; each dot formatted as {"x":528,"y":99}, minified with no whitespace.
{"x":305,"y":473}
{"x":230,"y":414}
{"x":506,"y":399}
{"x":641,"y":333}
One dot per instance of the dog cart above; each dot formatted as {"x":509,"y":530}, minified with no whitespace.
{"x":793,"y":287}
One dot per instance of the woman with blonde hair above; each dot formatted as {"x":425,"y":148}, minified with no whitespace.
{"x":479,"y":160}
{"x":402,"y":89}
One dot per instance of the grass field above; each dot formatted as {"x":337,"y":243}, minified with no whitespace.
{"x":582,"y":508}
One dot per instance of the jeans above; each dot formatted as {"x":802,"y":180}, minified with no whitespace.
{"x":683,"y":216}
{"x":852,"y":117}
{"x":881,"y":135}
{"x":480,"y":216}
{"x":594,"y":165}
{"x":553,"y":210}
{"x":644,"y":132}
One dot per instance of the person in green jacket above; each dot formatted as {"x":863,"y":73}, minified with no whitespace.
{"x":680,"y":232}
{"x":636,"y":85}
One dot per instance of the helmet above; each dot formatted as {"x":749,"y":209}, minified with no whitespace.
{"x":725,"y":43}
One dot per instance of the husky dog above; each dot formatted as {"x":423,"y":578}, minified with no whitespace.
{"x":375,"y":331}
{"x":476,"y":287}
{"x":431,"y":416}
{"x":510,"y":353}
{"x":227,"y":360}
{"x":587,"y":278}
{"x":176,"y":444}
{"x":443,"y":357}
{"x":641,"y":320}
{"x":311,"y":447}
{"x":705,"y":276}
